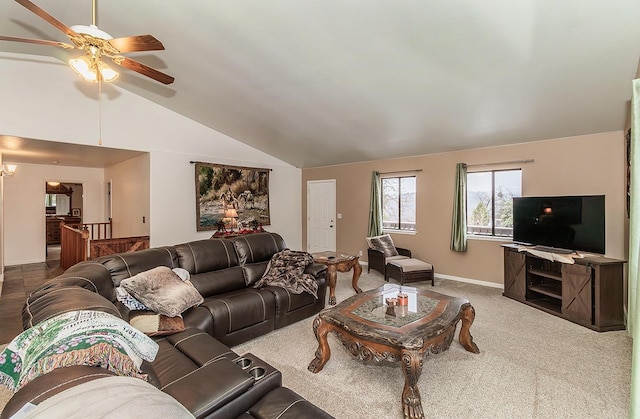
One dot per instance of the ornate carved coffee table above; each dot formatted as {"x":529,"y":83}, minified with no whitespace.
{"x":374,"y":331}
{"x":339,"y":262}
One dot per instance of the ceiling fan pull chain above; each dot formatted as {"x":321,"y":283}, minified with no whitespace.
{"x":99,"y":111}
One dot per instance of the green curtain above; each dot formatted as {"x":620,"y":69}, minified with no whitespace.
{"x":633,"y":308}
{"x":375,"y":208}
{"x":459,"y":219}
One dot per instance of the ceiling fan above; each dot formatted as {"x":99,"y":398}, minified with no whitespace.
{"x":97,"y":44}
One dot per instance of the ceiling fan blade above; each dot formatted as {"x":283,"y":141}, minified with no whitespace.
{"x":143,"y":69}
{"x":37,"y":41}
{"x":136,"y":43}
{"x":46,"y":16}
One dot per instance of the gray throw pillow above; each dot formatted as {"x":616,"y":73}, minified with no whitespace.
{"x":162,"y":291}
{"x":383,"y":243}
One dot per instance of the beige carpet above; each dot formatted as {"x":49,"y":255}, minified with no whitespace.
{"x":531,"y":365}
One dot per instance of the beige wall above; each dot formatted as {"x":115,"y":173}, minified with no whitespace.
{"x":583,"y":165}
{"x":23,"y":197}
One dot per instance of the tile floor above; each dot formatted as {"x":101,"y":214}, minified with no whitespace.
{"x":20,"y":281}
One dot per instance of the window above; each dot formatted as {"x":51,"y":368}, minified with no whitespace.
{"x":399,"y":203}
{"x":490,"y":203}
{"x":50,"y":200}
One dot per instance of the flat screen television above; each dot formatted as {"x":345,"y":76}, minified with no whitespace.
{"x":563,"y":222}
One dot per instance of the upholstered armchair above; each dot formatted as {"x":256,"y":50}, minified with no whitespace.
{"x":381,"y":251}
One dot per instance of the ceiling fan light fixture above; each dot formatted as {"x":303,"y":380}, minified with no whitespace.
{"x":108,"y":73}
{"x":88,"y":69}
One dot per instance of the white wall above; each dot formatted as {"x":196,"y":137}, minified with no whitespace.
{"x":173,"y":203}
{"x":24,"y":216}
{"x":49,"y":102}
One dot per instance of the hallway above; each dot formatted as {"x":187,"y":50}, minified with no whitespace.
{"x":19,"y":282}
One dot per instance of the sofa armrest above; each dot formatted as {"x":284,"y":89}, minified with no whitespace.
{"x":375,"y":260}
{"x":43,"y":387}
{"x":210,"y":387}
{"x":318,"y":270}
{"x":403,"y":252}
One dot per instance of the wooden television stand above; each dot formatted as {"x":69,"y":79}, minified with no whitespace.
{"x":589,"y":292}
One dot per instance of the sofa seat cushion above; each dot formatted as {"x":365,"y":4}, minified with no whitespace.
{"x":237,"y":310}
{"x":291,"y":308}
{"x":237,"y":316}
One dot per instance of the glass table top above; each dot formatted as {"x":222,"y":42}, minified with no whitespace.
{"x":376,"y":310}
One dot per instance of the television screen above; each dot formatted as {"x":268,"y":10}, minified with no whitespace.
{"x":565,"y":222}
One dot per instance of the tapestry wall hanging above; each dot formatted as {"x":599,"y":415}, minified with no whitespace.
{"x":221,"y":189}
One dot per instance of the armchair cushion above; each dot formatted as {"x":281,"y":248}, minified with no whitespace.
{"x":384,"y":243}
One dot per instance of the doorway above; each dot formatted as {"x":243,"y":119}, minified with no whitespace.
{"x":321,"y":215}
{"x":63,"y":204}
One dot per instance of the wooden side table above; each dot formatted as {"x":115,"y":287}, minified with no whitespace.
{"x":339,"y":262}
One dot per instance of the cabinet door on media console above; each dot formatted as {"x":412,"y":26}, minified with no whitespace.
{"x":515,"y":274}
{"x":577,"y":295}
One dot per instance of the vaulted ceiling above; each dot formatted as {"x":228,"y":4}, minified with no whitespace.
{"x":318,"y":83}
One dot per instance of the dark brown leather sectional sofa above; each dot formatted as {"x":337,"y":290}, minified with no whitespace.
{"x":197,"y":366}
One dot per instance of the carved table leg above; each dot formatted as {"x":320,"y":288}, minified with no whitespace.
{"x":357,"y":270}
{"x":468,"y":314}
{"x":323,"y":353}
{"x":412,"y":368}
{"x":332,"y":276}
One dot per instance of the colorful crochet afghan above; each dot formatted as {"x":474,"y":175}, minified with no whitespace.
{"x":86,"y":337}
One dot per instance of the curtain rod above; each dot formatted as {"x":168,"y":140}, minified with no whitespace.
{"x":231,"y":167}
{"x":501,"y":163}
{"x":401,"y":171}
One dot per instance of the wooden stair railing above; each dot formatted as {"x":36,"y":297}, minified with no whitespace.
{"x":73,"y":245}
{"x":96,"y":230}
{"x":105,"y":247}
{"x":79,"y":242}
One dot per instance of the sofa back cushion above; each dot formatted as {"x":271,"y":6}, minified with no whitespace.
{"x":257,"y":247}
{"x":219,"y":282}
{"x":206,"y":255}
{"x":253,"y":272}
{"x":90,"y":275}
{"x":126,"y":265}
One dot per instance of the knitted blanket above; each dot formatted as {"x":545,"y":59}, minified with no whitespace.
{"x":286,"y":270}
{"x":84,"y":337}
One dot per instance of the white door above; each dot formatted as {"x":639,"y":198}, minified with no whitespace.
{"x":321,"y":215}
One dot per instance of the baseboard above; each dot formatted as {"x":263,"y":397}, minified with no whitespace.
{"x":460,"y":279}
{"x":470,"y":281}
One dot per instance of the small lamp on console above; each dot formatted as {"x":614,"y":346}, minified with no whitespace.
{"x":233,"y":215}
